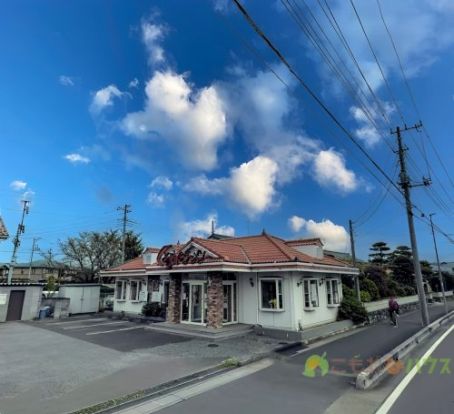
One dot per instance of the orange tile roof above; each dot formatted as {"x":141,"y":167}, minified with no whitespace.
{"x":259,"y":249}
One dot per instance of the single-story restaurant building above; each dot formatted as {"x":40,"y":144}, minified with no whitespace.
{"x":258,"y":280}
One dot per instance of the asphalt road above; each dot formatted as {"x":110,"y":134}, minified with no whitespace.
{"x":283,"y":388}
{"x":431,"y":391}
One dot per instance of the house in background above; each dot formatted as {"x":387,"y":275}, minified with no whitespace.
{"x":258,"y":280}
{"x":37,"y":272}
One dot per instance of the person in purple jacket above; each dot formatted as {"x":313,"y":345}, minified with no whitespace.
{"x":393,"y":310}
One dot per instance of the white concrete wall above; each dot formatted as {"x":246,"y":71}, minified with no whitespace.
{"x":247,"y":298}
{"x":383,"y":304}
{"x":32,"y":301}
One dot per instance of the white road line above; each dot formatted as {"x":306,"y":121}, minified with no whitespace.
{"x":392,"y":398}
{"x":114,"y":330}
{"x":93,"y":324}
{"x":77,"y":321}
{"x":164,"y":401}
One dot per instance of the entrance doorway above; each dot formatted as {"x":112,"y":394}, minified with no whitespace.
{"x":194,"y":303}
{"x":230,"y":303}
{"x":15,"y":305}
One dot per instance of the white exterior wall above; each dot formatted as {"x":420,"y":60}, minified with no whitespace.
{"x":323,"y":313}
{"x":134,"y":306}
{"x":83,"y":299}
{"x":249,"y":311}
{"x":293,"y":317}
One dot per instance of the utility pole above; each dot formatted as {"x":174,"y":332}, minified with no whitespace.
{"x":352,"y":249}
{"x":406,"y":185}
{"x":16,"y":240}
{"x":35,"y":248}
{"x":125,"y":209}
{"x":438,"y":263}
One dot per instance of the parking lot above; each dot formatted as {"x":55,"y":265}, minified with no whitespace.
{"x":57,"y":367}
{"x":54,"y":367}
{"x":120,"y":335}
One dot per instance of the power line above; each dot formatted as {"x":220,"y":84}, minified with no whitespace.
{"x":311,"y":92}
{"x":125,"y":209}
{"x":279,"y":55}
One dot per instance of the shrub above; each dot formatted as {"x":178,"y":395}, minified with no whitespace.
{"x":151,"y":309}
{"x":348,"y":292}
{"x":365,"y":296}
{"x":350,"y":308}
{"x":368,"y":286}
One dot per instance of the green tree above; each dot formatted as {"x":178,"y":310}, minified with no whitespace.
{"x":133,"y":245}
{"x":377,"y":275}
{"x":401,"y":266}
{"x":379,"y":253}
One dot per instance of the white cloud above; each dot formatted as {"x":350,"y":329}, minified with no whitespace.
{"x":251,"y":186}
{"x":333,"y":236}
{"x":205,"y":186}
{"x":192,"y":121}
{"x":104,"y":98}
{"x":134,"y":83}
{"x":296,"y":223}
{"x":330,"y":171}
{"x":162,"y":182}
{"x":202,"y":228}
{"x":75,"y":158}
{"x":28,"y":195}
{"x":155,"y":199}
{"x":18,"y":185}
{"x":152,"y":35}
{"x":66,"y":80}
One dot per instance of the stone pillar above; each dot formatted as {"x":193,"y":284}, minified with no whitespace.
{"x":174,"y":305}
{"x":215,"y":293}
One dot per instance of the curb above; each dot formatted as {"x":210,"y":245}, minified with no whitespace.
{"x":375,"y":372}
{"x":128,"y":400}
{"x":334,"y":333}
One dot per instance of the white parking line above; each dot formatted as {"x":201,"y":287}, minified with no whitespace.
{"x":77,"y":321}
{"x":94,"y":324}
{"x":114,"y":330}
{"x":389,"y":402}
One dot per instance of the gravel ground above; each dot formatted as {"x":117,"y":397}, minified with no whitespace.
{"x":241,"y":348}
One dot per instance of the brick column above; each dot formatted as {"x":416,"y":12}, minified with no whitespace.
{"x":215,"y":293}
{"x":173,"y":307}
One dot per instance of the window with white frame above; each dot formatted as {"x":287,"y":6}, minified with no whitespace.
{"x":134,"y":290}
{"x":310,"y":293}
{"x":332,"y":291}
{"x":120,"y":290}
{"x":271,"y":294}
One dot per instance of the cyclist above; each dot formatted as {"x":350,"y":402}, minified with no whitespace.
{"x":393,"y":309}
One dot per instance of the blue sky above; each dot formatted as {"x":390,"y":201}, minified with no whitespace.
{"x":162,"y":105}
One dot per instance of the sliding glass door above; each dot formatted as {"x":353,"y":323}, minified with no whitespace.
{"x":193,"y":302}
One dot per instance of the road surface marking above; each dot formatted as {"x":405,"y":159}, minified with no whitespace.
{"x":392,"y":398}
{"x":114,"y":330}
{"x":94,"y":324}
{"x":164,"y":401}
{"x":76,"y":321}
